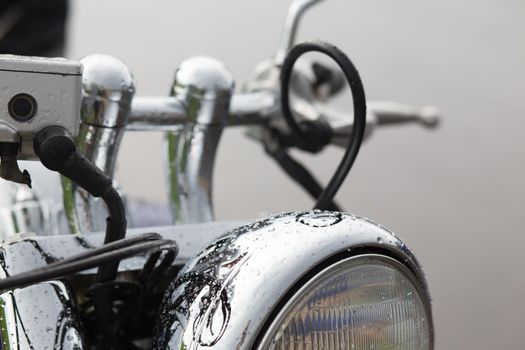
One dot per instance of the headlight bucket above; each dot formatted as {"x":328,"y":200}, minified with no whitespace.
{"x":230,"y":295}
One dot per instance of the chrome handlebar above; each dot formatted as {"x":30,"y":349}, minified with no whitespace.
{"x":380,"y":113}
{"x":168,"y":114}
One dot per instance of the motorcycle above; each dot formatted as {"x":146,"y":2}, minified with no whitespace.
{"x":73,"y":276}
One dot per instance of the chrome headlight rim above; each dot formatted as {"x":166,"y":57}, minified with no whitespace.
{"x":278,"y":313}
{"x":255,"y":265}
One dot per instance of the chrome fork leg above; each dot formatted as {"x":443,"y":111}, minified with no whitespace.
{"x":204,"y":86}
{"x":191,"y":157}
{"x":108,"y":89}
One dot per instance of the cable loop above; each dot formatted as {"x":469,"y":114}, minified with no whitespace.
{"x":358,"y":94}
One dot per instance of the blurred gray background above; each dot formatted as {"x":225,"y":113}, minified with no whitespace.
{"x":455,"y":195}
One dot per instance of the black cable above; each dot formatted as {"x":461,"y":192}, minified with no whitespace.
{"x":117,"y":213}
{"x":358,"y":95}
{"x":151,"y":236}
{"x":75,"y":264}
{"x":131,"y":300}
{"x":115,"y":230}
{"x":148,"y":267}
{"x":57,"y":151}
{"x":157,"y":274}
{"x":298,"y":173}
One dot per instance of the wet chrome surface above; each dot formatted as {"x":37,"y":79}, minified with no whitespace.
{"x":108,"y":88}
{"x":191,"y":238}
{"x":224,"y":295}
{"x":38,"y":210}
{"x":169,"y":113}
{"x":40,"y":316}
{"x":204,"y":86}
{"x":43,"y":315}
{"x":156,"y":113}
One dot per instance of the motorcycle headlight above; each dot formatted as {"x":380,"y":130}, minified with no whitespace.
{"x":363,"y":302}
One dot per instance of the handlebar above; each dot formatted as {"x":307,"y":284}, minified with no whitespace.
{"x":380,"y":113}
{"x":262,"y":107}
{"x":167,"y":113}
{"x":390,"y":113}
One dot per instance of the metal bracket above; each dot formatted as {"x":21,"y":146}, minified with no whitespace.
{"x":9,"y":170}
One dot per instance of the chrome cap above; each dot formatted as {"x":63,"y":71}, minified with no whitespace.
{"x":204,"y":77}
{"x":106,"y":80}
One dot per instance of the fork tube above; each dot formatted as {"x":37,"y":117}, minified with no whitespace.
{"x":108,"y":89}
{"x":204,"y":86}
{"x":191,"y":157}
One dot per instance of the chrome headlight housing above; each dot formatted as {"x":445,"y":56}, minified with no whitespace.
{"x":364,"y":302}
{"x":304,"y":280}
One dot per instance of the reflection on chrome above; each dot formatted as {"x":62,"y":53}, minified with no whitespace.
{"x":225,"y":295}
{"x":40,"y":316}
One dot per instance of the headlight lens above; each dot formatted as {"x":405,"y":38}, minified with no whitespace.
{"x":364,"y":302}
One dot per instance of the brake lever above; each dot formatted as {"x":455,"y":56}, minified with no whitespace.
{"x":392,"y":113}
{"x":380,"y":113}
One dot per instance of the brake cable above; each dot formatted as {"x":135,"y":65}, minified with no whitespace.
{"x":314,"y":135}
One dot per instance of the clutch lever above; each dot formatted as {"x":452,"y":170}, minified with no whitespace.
{"x":380,"y":113}
{"x":392,"y":113}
